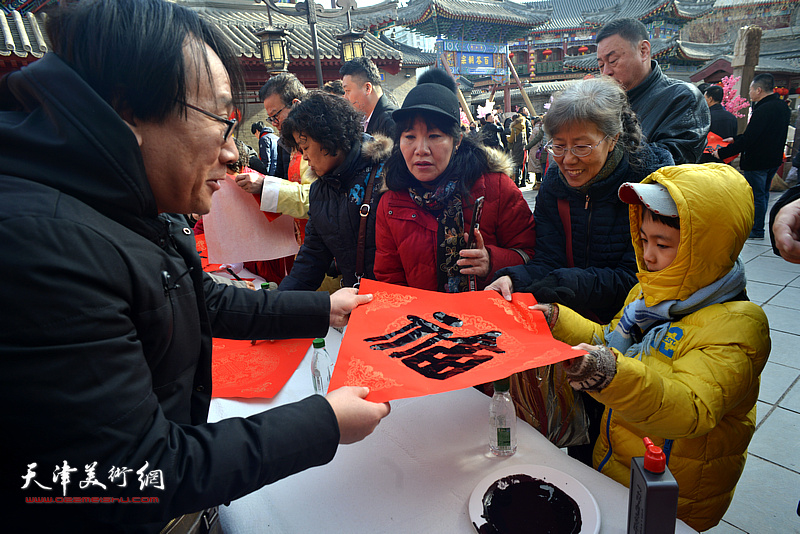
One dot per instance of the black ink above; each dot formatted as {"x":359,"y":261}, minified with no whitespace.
{"x":432,"y":359}
{"x":518,"y":502}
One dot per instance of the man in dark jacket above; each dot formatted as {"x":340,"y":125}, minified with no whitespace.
{"x":362,"y":88}
{"x":761,"y":145}
{"x":723,"y":122}
{"x":672,"y":113}
{"x":106,"y":356}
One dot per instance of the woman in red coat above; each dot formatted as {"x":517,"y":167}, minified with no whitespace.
{"x":434,"y":177}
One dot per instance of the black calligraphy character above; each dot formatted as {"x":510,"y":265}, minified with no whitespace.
{"x":430,"y":357}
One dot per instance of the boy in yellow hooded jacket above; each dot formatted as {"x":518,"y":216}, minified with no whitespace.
{"x":680,"y":363}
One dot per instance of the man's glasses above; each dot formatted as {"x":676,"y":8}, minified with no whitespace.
{"x":274,"y":118}
{"x":230,"y":124}
{"x":579,"y":151}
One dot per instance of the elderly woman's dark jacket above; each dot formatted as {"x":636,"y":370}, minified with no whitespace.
{"x":605,"y":264}
{"x":333,"y":218}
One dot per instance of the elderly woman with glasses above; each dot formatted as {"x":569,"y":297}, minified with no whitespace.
{"x":584,"y":257}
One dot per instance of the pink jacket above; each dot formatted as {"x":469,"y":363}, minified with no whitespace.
{"x":405,"y":233}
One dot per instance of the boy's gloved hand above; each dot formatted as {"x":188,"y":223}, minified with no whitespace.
{"x":548,"y":289}
{"x":592,"y":371}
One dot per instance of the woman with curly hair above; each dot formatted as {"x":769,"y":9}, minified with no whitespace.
{"x":434,"y":177}
{"x":345,"y":161}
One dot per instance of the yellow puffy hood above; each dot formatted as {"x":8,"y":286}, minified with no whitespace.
{"x":715,"y":206}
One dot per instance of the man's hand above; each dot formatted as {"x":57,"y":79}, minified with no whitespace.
{"x":502,"y":285}
{"x":357,"y":417}
{"x":475,"y":261}
{"x":343,"y":302}
{"x":252,"y":182}
{"x":786,"y":229}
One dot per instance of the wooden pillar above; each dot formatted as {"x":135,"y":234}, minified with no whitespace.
{"x":745,"y":58}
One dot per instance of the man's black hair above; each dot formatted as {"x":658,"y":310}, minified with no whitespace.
{"x":631,"y":30}
{"x":766,"y":81}
{"x":285,"y":85}
{"x":362,"y":67}
{"x":715,"y":92}
{"x":131,"y":52}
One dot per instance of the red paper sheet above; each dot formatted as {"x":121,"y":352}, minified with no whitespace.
{"x":487,"y":338}
{"x":715,"y":142}
{"x":240,"y":369}
{"x":202,"y":249}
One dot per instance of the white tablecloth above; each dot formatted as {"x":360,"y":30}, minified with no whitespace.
{"x":414,"y":474}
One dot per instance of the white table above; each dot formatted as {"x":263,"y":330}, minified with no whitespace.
{"x":414,"y":474}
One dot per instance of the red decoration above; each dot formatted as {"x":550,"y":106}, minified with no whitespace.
{"x":583,"y":49}
{"x":547,"y":52}
{"x":511,"y":55}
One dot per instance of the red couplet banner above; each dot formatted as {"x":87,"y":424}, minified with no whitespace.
{"x":409,"y":342}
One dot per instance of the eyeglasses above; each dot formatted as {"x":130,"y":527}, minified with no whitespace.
{"x":579,"y":151}
{"x":274,"y":118}
{"x":230,"y":124}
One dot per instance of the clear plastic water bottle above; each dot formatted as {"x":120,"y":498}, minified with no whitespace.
{"x":321,"y":367}
{"x":502,"y":421}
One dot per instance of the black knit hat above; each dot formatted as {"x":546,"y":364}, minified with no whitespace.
{"x":429,"y":98}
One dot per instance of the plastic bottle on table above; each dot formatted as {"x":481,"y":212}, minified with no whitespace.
{"x":653,"y":500}
{"x":321,"y":367}
{"x":502,"y":421}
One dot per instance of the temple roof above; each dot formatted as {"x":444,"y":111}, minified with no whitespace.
{"x":477,"y":20}
{"x":577,"y":15}
{"x":239,"y":20}
{"x":22,"y":35}
{"x":412,"y":57}
{"x":783,"y":43}
{"x":531,"y":89}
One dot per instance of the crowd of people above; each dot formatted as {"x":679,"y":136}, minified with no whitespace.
{"x":631,"y":252}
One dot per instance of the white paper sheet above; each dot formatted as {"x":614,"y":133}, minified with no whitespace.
{"x":237,"y":231}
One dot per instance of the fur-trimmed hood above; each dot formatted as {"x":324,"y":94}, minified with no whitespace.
{"x":499,"y":161}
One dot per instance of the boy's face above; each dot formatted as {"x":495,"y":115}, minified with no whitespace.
{"x":659,"y":243}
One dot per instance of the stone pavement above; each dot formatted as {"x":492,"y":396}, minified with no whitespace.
{"x":767,"y":495}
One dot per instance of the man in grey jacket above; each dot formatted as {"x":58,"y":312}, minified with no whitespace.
{"x":673,"y":114}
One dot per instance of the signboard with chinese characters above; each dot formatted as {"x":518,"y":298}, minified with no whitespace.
{"x":465,"y":57}
{"x":409,"y":342}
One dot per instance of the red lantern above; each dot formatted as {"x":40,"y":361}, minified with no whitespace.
{"x":547,"y":52}
{"x":583,"y":49}
{"x":511,"y":55}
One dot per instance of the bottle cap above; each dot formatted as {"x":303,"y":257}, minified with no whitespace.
{"x":319,"y":343}
{"x":654,"y":459}
{"x":501,"y":385}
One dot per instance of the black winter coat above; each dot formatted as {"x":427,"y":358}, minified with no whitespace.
{"x":605,"y":264}
{"x":105,"y":348}
{"x":723,"y":122}
{"x":381,"y":121}
{"x":761,"y":144}
{"x":673,"y":115}
{"x":334,"y":220}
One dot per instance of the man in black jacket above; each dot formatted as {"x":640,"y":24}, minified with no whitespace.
{"x":723,"y":122}
{"x":672,"y":113}
{"x":761,"y":145}
{"x":362,"y":88}
{"x":105,"y":360}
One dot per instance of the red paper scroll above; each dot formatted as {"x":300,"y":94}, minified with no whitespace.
{"x":410,"y":342}
{"x":715,"y":142}
{"x":240,"y":369}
